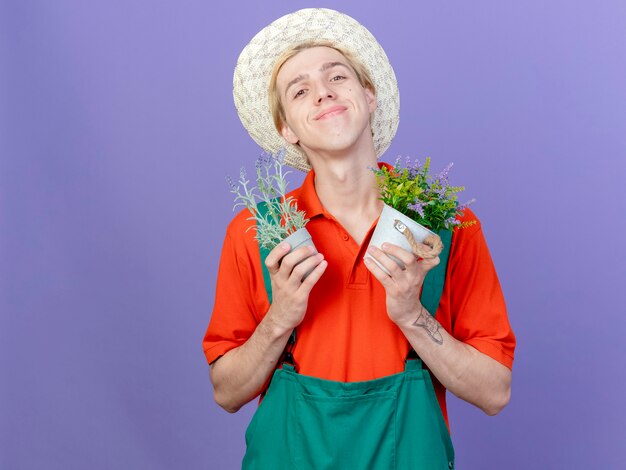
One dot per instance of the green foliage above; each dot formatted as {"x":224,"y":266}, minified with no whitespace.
{"x":282,"y":217}
{"x":427,"y":199}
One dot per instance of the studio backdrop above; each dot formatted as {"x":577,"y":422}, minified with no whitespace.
{"x":117,"y":130}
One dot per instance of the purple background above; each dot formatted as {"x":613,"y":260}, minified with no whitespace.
{"x":117,"y":129}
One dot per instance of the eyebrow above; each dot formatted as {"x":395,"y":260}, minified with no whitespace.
{"x":326,"y":66}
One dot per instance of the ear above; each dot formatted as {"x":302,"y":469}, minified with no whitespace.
{"x":288,"y":134}
{"x":371,"y":100}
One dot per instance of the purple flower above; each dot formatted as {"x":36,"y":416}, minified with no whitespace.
{"x":451,"y":222}
{"x":435,"y":193}
{"x":412,"y":167}
{"x":465,"y":205}
{"x":418,"y":207}
{"x":443,"y":176}
{"x":263,"y":161}
{"x":231,"y":183}
{"x":280,"y":156}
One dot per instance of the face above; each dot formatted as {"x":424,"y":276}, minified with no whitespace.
{"x":326,"y":108}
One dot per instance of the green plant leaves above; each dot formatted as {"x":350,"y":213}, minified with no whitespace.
{"x":280,"y":216}
{"x":427,"y":199}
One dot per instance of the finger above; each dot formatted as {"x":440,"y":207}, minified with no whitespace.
{"x":314,"y":276}
{"x":389,"y":264}
{"x":377,"y":271}
{"x":272,"y":261}
{"x":403,"y":255}
{"x":303,"y":268}
{"x":420,"y":266}
{"x":291,"y":260}
{"x":431,"y":247}
{"x":426,"y":265}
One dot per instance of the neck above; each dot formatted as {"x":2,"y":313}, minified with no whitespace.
{"x":347,"y":189}
{"x":346,"y":186}
{"x":343,"y":178}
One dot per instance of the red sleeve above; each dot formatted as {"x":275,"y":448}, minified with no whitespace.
{"x":477,"y":309}
{"x":240,"y":298}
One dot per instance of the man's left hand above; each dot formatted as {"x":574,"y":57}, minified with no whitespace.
{"x":402,"y":286}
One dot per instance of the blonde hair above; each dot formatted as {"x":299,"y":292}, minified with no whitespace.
{"x":276,"y":106}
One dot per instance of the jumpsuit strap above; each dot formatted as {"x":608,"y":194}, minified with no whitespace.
{"x":287,"y":358}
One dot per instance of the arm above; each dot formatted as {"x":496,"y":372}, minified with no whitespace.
{"x":466,"y":372}
{"x":240,"y":374}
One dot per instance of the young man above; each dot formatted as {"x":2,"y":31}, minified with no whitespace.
{"x":354,"y":401}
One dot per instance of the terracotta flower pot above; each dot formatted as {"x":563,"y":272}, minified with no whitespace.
{"x":386,"y":231}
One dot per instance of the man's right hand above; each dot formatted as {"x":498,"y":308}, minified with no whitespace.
{"x":290,"y":288}
{"x":240,"y":374}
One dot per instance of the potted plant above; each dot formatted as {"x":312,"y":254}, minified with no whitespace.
{"x":276,"y":216}
{"x":419,"y":207}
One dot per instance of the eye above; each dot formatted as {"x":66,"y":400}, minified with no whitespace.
{"x":337,"y":78}
{"x":299,"y":93}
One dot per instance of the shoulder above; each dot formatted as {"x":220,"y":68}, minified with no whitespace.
{"x":469,"y":225}
{"x":469,"y":246}
{"x":240,"y":235}
{"x":242,"y":221}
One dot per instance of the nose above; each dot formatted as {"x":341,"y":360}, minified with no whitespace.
{"x":324,"y":92}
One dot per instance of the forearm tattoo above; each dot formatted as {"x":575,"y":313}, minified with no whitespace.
{"x":426,"y":321}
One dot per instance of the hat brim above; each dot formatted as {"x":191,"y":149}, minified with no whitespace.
{"x":256,"y":63}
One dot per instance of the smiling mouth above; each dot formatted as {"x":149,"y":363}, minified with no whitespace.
{"x":330,"y":112}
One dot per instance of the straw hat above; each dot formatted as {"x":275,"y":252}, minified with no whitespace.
{"x":255,"y":64}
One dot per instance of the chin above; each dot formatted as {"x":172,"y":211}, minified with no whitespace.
{"x":339,"y":143}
